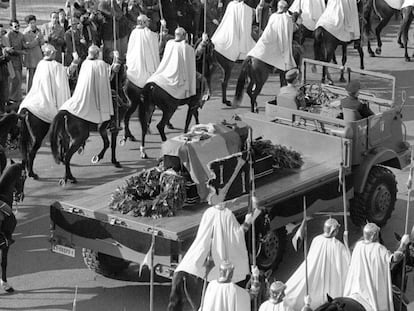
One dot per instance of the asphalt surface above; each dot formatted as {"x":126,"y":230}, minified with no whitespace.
{"x":47,"y":281}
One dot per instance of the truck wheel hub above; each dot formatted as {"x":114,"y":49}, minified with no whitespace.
{"x":382,"y":200}
{"x":270,"y":246}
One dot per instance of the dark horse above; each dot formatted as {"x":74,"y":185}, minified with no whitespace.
{"x":341,"y":304}
{"x":326,"y":44}
{"x":257,"y":72}
{"x":154,"y":96}
{"x":69,"y":134}
{"x":11,"y":189}
{"x":8,"y":125}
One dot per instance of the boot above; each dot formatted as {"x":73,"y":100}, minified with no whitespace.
{"x":113,"y":125}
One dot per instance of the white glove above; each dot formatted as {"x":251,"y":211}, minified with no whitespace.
{"x":163,"y":23}
{"x":254,"y":202}
{"x":307,"y":300}
{"x":248,"y":219}
{"x":75,"y":56}
{"x":116,"y":55}
{"x":215,"y":21}
{"x":405,"y":240}
{"x":204,"y":37}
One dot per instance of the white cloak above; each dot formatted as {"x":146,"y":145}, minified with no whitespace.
{"x":225,"y":297}
{"x":232,"y":38}
{"x":275,"y":45}
{"x":268,"y":306}
{"x":328,"y":263}
{"x":142,"y":58}
{"x":219,"y":231}
{"x":369,"y":276}
{"x":176,"y":73}
{"x":50,"y":89}
{"x":92,"y":99}
{"x":402,"y":3}
{"x":311,"y":11}
{"x":341,"y":19}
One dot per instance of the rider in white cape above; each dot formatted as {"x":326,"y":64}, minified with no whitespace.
{"x":328,"y":263}
{"x":50,"y":87}
{"x":341,"y":19}
{"x":176,"y":73}
{"x":92,"y":98}
{"x":232,"y":38}
{"x":311,"y":11}
{"x":275,"y":45}
{"x":142,"y":58}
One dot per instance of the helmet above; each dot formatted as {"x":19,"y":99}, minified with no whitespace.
{"x":371,"y":232}
{"x":225,"y":272}
{"x":277,"y":292}
{"x":330,"y":227}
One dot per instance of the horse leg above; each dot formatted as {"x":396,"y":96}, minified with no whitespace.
{"x":405,"y":25}
{"x":114,"y":136}
{"x":104,"y":135}
{"x":192,"y":111}
{"x":128,"y":114}
{"x":36,"y":146}
{"x":249,"y":91}
{"x":166,"y":116}
{"x":227,"y":73}
{"x":6,"y":286}
{"x":378,"y":30}
{"x":358,"y":47}
{"x":344,"y":59}
{"x":78,"y":142}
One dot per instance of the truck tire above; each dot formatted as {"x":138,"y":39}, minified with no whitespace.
{"x":102,"y":263}
{"x":272,"y":249}
{"x":376,"y":203}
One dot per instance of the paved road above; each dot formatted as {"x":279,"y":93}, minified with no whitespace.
{"x":47,"y":281}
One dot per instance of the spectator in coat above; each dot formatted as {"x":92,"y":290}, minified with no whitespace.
{"x":4,"y":78}
{"x":63,"y":21}
{"x":54,"y":34}
{"x":34,"y":40}
{"x":151,"y":9}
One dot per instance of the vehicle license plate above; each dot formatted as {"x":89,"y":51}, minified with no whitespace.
{"x":64,"y":250}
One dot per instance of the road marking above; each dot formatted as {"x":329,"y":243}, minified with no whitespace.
{"x":19,"y":224}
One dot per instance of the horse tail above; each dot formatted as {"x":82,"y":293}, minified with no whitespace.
{"x":58,"y":125}
{"x":318,"y":35}
{"x":26,"y":138}
{"x":241,"y":81}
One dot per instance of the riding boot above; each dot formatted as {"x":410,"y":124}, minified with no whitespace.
{"x":113,"y":125}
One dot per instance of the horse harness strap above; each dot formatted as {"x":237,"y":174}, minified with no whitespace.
{"x":374,"y":4}
{"x":5,"y":209}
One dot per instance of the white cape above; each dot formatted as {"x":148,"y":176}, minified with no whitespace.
{"x":269,"y":306}
{"x":311,"y":11}
{"x":92,"y":99}
{"x":340,"y":18}
{"x":233,"y":39}
{"x":369,"y":276}
{"x":219,"y":231}
{"x":225,"y":297}
{"x":275,"y":45}
{"x":402,"y":3}
{"x":176,"y":73}
{"x":50,"y":89}
{"x":328,"y":263}
{"x":142,"y":58}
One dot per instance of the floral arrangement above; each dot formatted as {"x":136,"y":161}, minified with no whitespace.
{"x":283,"y":157}
{"x":153,"y":192}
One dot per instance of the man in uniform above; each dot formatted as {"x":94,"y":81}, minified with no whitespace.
{"x":351,"y":102}
{"x":176,"y":73}
{"x":276,"y":299}
{"x":54,"y":34}
{"x":151,"y":9}
{"x":369,"y":277}
{"x":223,"y":295}
{"x":289,"y":96}
{"x":275,"y":45}
{"x":328,"y":261}
{"x":92,"y":100}
{"x":233,"y":37}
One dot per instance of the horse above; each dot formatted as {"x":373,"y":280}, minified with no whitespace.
{"x":257,"y":73}
{"x":341,"y":304}
{"x":407,"y":19}
{"x":326,"y":44}
{"x":8,"y":125}
{"x":154,"y":96}
{"x":11,"y":190}
{"x":69,"y":134}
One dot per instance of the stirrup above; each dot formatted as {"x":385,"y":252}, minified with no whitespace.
{"x":6,"y":286}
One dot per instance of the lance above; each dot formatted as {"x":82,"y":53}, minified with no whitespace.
{"x":307,"y":300}
{"x":154,"y":233}
{"x":344,"y":200}
{"x":407,"y":214}
{"x":203,"y":70}
{"x":162,"y":19}
{"x":116,"y":112}
{"x":72,"y":31}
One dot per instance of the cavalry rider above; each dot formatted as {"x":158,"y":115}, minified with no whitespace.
{"x":233,"y":39}
{"x":369,"y":277}
{"x":341,"y":19}
{"x":92,"y":100}
{"x":50,"y":88}
{"x":176,"y":73}
{"x":223,"y":295}
{"x":276,"y":301}
{"x":310,"y":11}
{"x":142,"y":58}
{"x":275,"y":45}
{"x":328,"y":261}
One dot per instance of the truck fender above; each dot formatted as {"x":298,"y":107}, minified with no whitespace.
{"x":384,"y":156}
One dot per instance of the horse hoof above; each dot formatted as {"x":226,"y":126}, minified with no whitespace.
{"x":80,"y":150}
{"x":122,"y":141}
{"x":227,"y":103}
{"x":170,"y":126}
{"x":342,"y":79}
{"x":372,"y":54}
{"x":117,"y":164}
{"x":62,"y":182}
{"x":330,"y":82}
{"x":143,"y":155}
{"x":95,"y":159}
{"x":401,"y":45}
{"x":378,"y":51}
{"x":7,"y":287}
{"x":34,"y":176}
{"x":407,"y":59}
{"x":132,"y":138}
{"x":73,"y":180}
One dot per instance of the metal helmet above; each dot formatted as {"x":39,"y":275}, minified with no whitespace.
{"x":277,"y":292}
{"x":225,"y":272}
{"x":330,"y":227}
{"x":180,"y":34}
{"x":93,"y":52}
{"x":142,"y":20}
{"x":49,"y":51}
{"x":371,"y":232}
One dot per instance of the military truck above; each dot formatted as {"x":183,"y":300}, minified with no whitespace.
{"x":362,"y":151}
